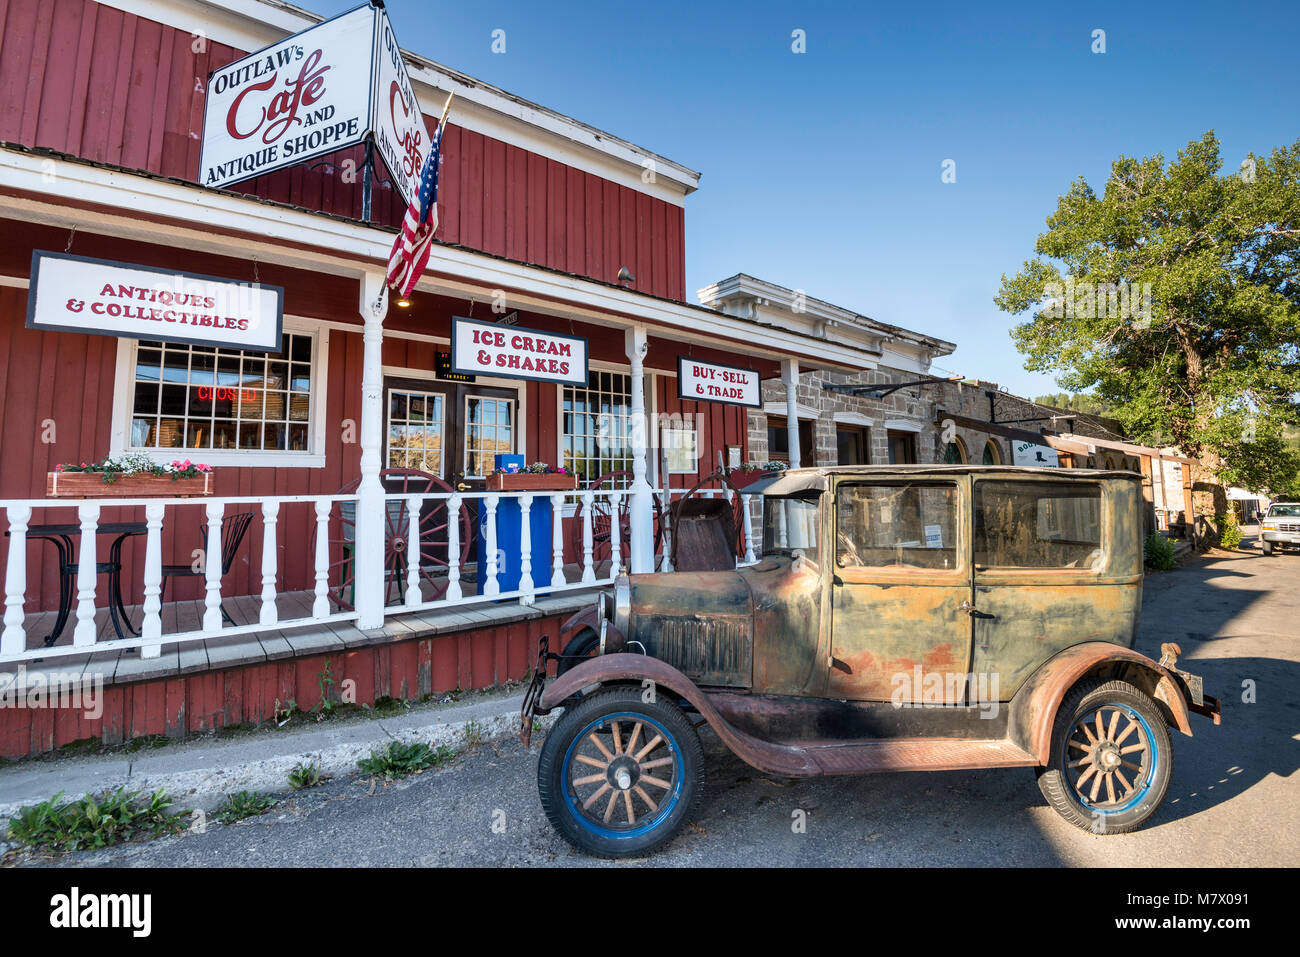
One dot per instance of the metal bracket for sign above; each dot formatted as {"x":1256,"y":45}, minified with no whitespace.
{"x":884,"y":389}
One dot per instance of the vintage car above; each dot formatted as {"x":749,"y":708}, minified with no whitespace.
{"x":900,"y":618}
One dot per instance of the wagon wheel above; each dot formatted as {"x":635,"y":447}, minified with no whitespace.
{"x":738,"y":516}
{"x":603,"y":517}
{"x":397,"y":526}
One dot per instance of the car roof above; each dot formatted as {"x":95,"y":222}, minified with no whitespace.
{"x":814,"y":479}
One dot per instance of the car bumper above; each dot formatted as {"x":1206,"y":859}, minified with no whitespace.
{"x":1281,"y":538}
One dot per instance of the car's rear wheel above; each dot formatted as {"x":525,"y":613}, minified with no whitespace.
{"x":618,"y":773}
{"x":1111,"y":758}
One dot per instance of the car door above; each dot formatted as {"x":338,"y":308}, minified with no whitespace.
{"x":1046,"y":574}
{"x":900,"y":591}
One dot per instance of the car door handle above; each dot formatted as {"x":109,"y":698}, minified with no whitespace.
{"x":974,"y":612}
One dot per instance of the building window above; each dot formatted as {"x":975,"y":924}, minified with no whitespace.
{"x":202,"y":397}
{"x":778,"y":440}
{"x":595,"y":422}
{"x":992,"y":456}
{"x":853,"y":445}
{"x":954,"y":453}
{"x":416,"y":426}
{"x":902,"y":448}
{"x":489,"y":431}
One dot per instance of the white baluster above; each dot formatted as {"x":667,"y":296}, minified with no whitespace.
{"x":490,"y":584}
{"x":749,"y":528}
{"x":453,"y":548}
{"x":526,"y":551}
{"x":151,"y":627}
{"x":212,"y":597}
{"x":588,"y":572}
{"x":86,"y":574}
{"x":320,"y":606}
{"x":666,"y":526}
{"x":557,"y":540}
{"x":14,"y":639}
{"x":270,"y":614}
{"x":615,"y":536}
{"x":413,"y":596}
{"x":780,"y":526}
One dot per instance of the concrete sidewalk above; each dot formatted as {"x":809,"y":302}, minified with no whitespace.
{"x":199,"y":773}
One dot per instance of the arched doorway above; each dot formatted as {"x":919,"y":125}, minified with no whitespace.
{"x":992,"y":454}
{"x":954,"y":453}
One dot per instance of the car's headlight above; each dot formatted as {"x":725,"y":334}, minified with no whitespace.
{"x":1270,"y":528}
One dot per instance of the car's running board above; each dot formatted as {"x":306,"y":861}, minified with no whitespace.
{"x":918,"y":754}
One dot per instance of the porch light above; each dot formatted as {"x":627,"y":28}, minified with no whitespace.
{"x":403,"y":302}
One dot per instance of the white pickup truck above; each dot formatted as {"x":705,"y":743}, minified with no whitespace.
{"x":1280,"y":526}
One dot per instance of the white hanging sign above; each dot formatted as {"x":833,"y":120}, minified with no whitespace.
{"x":512,"y":352}
{"x":319,"y":91}
{"x":75,"y":294}
{"x":710,"y":382}
{"x":1031,"y":453}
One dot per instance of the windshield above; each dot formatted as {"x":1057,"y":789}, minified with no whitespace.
{"x":1284,"y":511}
{"x":790,"y":524}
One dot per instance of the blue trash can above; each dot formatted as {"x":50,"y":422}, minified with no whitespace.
{"x":510,"y":542}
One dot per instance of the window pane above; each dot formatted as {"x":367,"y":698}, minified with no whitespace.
{"x":1038,"y":525}
{"x":910,"y":525}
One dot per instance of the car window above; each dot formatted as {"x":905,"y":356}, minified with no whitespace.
{"x":789,"y":524}
{"x":1038,"y":525}
{"x":1284,"y":511}
{"x":905,"y":525}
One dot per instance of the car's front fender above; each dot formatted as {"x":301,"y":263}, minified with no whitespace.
{"x":1034,"y":707}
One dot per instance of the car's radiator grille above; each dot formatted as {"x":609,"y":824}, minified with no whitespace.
{"x":1289,"y":527}
{"x":711,"y":651}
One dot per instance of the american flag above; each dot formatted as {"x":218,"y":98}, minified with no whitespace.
{"x":411,"y":249}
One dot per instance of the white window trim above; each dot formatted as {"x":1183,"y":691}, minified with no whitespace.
{"x":902,"y":425}
{"x":779,"y":408}
{"x":854,"y":418}
{"x":124,"y":375}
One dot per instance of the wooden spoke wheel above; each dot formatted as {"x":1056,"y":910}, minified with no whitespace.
{"x":617,"y":774}
{"x":603,"y":517}
{"x":432,"y":550}
{"x":1111,"y":758}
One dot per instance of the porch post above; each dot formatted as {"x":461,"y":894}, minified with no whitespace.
{"x":790,"y":376}
{"x":369,"y":573}
{"x":641,"y":558}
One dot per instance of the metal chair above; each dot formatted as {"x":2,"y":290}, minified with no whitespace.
{"x":233,"y":528}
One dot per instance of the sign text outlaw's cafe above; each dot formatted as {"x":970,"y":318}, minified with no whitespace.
{"x":319,"y":91}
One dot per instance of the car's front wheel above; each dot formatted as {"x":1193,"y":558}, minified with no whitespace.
{"x":1267,"y":547}
{"x":619,"y":771}
{"x":1111,"y":758}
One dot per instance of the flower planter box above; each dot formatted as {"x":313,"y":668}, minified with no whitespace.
{"x":92,"y":485}
{"x":532,"y":482}
{"x":740,"y":478}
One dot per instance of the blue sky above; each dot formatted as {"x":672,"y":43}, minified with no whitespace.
{"x":822,"y":170}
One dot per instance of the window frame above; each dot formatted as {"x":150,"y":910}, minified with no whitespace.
{"x":313,"y":457}
{"x":388,"y":425}
{"x":875,"y":574}
{"x":513,"y":403}
{"x":1022,"y":574}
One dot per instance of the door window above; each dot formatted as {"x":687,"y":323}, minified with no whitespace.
{"x":904,"y":525}
{"x":1038,"y":525}
{"x":416,"y":430}
{"x":489,"y":431}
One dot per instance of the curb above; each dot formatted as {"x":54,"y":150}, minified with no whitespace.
{"x":198,"y":778}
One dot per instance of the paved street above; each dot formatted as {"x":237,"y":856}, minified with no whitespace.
{"x":1233,"y":798}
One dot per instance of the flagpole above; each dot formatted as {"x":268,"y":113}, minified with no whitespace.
{"x":446,"y":108}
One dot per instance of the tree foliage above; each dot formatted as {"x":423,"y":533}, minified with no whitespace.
{"x":1174,"y":297}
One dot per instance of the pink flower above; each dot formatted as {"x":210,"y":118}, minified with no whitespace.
{"x":58,"y":468}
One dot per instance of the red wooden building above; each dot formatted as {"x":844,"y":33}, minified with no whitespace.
{"x":101,"y":128}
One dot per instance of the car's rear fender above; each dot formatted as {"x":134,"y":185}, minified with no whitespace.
{"x":1034,"y":707}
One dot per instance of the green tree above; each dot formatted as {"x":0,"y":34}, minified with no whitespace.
{"x":1174,"y":297}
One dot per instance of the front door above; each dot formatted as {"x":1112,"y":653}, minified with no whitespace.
{"x":449,"y":429}
{"x":900,"y":592}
